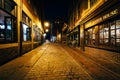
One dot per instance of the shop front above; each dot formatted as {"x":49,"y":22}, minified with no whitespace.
{"x":25,"y":34}
{"x":8,"y":27}
{"x":73,"y":37}
{"x":37,"y":34}
{"x":103,"y":31}
{"x":8,"y":31}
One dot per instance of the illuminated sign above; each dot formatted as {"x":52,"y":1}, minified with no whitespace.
{"x":98,"y":20}
{"x":112,"y":13}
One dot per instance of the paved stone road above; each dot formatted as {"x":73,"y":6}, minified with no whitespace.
{"x":48,"y":62}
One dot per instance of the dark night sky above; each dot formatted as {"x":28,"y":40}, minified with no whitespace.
{"x":53,"y":9}
{"x":56,"y":8}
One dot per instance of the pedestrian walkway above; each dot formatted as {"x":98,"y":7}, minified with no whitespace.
{"x":47,"y":62}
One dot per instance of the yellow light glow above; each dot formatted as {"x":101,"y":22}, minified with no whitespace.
{"x":46,"y":24}
{"x":46,"y":30}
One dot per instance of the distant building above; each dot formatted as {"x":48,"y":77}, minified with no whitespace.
{"x":57,"y":28}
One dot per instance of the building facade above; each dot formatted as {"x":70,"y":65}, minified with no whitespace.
{"x":20,"y":28}
{"x":99,"y":23}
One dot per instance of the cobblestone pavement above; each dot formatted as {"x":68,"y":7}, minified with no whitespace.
{"x":48,"y":62}
{"x":99,"y":67}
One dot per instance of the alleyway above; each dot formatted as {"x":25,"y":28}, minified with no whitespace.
{"x":59,"y":62}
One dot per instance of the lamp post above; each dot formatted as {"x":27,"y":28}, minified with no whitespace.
{"x":46,"y":24}
{"x":46,"y":27}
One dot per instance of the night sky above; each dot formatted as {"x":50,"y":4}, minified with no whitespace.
{"x":53,"y":9}
{"x":56,"y":8}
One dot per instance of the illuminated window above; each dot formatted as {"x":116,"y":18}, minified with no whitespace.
{"x":104,"y":34}
{"x":91,"y":36}
{"x":26,"y":27}
{"x":8,"y":28}
{"x":101,"y":32}
{"x":117,"y":32}
{"x":26,"y":33}
{"x":112,"y":33}
{"x":36,"y":33}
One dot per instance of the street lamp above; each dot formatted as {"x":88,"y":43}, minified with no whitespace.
{"x":46,"y":30}
{"x":46,"y":24}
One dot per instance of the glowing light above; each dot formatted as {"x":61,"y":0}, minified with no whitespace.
{"x":44,"y":34}
{"x":46,"y":24}
{"x":46,"y":30}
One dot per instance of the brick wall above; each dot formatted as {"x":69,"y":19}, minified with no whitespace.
{"x":7,"y":54}
{"x":26,"y":48}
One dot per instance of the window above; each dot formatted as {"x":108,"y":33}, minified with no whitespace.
{"x":26,"y":33}
{"x":117,"y":32}
{"x":112,"y":33}
{"x":9,"y":6}
{"x":26,"y":19}
{"x":88,"y":36}
{"x":92,"y":36}
{"x":36,"y":33}
{"x":2,"y":32}
{"x":8,"y":28}
{"x":101,"y":32}
{"x":26,"y":27}
{"x":104,"y":34}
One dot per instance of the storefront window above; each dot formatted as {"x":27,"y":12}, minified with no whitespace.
{"x":101,"y":34}
{"x":26,"y":33}
{"x":112,"y":33}
{"x":36,"y":32}
{"x":92,"y":36}
{"x":8,"y":28}
{"x":117,"y":32}
{"x":26,"y":19}
{"x":26,"y":27}
{"x":104,"y":34}
{"x":2,"y":32}
{"x":89,"y":36}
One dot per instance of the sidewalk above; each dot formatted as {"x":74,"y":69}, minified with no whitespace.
{"x":23,"y":62}
{"x":107,"y":55}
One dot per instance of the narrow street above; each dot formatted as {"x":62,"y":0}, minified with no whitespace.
{"x":59,"y":62}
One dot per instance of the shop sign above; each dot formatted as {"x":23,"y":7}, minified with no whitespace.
{"x":100,"y":19}
{"x":112,"y":13}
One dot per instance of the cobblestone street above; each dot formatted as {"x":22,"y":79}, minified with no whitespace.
{"x":58,"y":62}
{"x":49,"y":62}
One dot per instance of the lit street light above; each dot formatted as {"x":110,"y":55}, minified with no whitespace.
{"x":46,"y":24}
